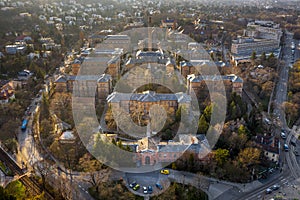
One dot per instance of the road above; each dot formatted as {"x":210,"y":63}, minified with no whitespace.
{"x":281,"y":87}
{"x":32,"y":185}
{"x":27,"y":152}
{"x":290,"y":156}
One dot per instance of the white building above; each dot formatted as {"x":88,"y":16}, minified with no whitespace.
{"x":245,"y":46}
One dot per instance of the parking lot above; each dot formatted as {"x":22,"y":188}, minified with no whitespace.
{"x":147,"y":179}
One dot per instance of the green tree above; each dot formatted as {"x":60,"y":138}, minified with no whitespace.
{"x":208,"y":111}
{"x":16,"y":189}
{"x":4,"y":195}
{"x":253,"y":55}
{"x":221,"y":156}
{"x":233,"y":110}
{"x":202,"y":125}
{"x":242,"y":130}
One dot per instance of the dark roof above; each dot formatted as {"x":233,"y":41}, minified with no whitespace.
{"x":97,"y":36}
{"x":148,"y":96}
{"x":169,"y":21}
{"x":172,"y":148}
{"x":268,"y":143}
{"x":149,"y":53}
{"x":104,"y":78}
{"x":117,"y":37}
{"x":199,"y":78}
{"x":61,"y":79}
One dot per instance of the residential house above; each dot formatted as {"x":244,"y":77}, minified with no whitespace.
{"x":67,"y":137}
{"x":270,"y":146}
{"x":24,"y":75}
{"x":13,"y":49}
{"x":7,"y":92}
{"x":169,"y":23}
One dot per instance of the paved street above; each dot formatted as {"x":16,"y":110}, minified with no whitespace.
{"x":281,"y":87}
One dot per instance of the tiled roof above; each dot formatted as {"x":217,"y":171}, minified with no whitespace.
{"x":61,"y":79}
{"x":117,"y":37}
{"x":183,"y":97}
{"x":268,"y":143}
{"x":168,"y":21}
{"x":104,"y":78}
{"x":149,"y":54}
{"x":148,"y":96}
{"x":65,"y":78}
{"x":67,"y":135}
{"x":171,"y":62}
{"x":114,"y":59}
{"x":173,"y":148}
{"x":231,"y":77}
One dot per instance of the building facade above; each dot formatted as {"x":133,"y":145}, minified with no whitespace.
{"x":150,"y":151}
{"x":270,"y":146}
{"x":245,"y":46}
{"x":199,"y":84}
{"x":143,"y":101}
{"x":85,"y":85}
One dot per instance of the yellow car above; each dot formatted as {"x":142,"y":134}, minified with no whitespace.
{"x":136,"y":187}
{"x":165,"y":171}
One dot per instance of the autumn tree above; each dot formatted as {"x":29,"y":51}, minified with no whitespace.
{"x":97,"y":171}
{"x":61,"y":105}
{"x":249,"y":156}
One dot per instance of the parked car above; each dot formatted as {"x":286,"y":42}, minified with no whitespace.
{"x":136,"y":187}
{"x":268,"y":191}
{"x":283,"y":136}
{"x":150,"y":189}
{"x":275,"y":187}
{"x":132,"y":184}
{"x":145,"y":189}
{"x":159,"y":186}
{"x":165,"y":171}
{"x":286,"y":147}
